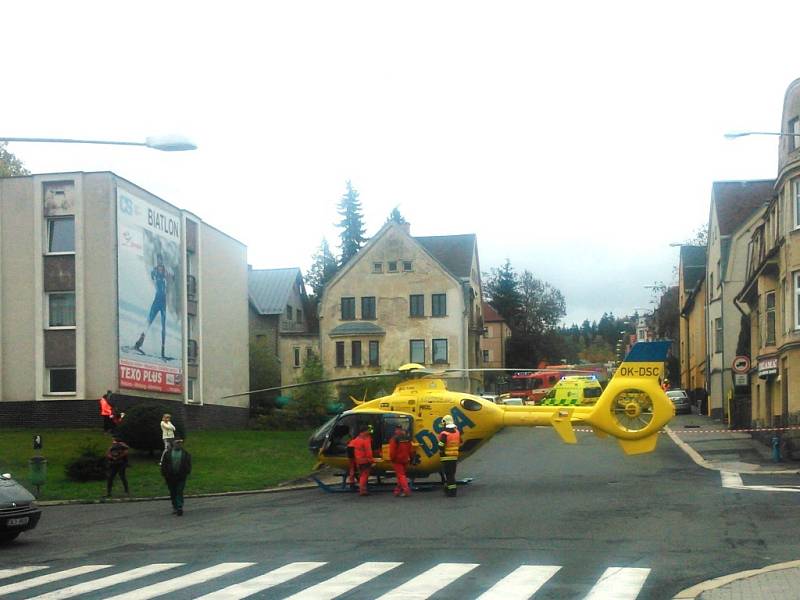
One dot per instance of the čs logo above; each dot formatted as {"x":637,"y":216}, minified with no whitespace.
{"x":428,"y":440}
{"x":126,"y":205}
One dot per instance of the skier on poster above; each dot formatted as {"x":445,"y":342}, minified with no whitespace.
{"x":159,"y":277}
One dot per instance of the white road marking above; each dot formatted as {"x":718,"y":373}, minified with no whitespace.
{"x":734,"y":481}
{"x":49,"y":578}
{"x":5,"y":573}
{"x":618,"y":583}
{"x":171,"y":585}
{"x":345,"y":582}
{"x":104,"y":582}
{"x":520,"y":584}
{"x":262,"y":582}
{"x":428,"y":583}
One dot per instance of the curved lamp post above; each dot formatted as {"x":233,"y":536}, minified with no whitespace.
{"x":167,"y":143}
{"x":737,"y":134}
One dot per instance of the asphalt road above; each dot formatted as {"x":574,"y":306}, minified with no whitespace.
{"x":656,"y":518}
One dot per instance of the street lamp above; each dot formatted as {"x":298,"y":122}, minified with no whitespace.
{"x":167,"y":143}
{"x":737,"y":134}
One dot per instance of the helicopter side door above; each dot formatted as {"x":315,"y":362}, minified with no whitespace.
{"x":389,"y":422}
{"x":347,"y":427}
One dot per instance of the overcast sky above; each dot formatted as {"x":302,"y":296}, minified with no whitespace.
{"x":576,"y":139}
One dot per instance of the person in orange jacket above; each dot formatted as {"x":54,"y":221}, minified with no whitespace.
{"x":107,"y":411}
{"x":449,"y":442}
{"x":362,"y":448}
{"x":400,"y":454}
{"x":351,"y":463}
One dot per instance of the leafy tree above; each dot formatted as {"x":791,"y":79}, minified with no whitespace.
{"x":352,"y":224}
{"x":10,"y":165}
{"x":396,"y":217}
{"x":543,"y":306}
{"x":309,"y":406}
{"x":699,"y":237}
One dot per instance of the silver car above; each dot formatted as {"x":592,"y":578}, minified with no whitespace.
{"x":18,"y":510}
{"x":680,"y":399}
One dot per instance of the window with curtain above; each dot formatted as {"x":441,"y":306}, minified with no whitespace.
{"x":61,"y":309}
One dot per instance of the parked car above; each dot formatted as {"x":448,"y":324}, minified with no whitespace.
{"x":511,"y":402}
{"x":680,"y":399}
{"x":18,"y":510}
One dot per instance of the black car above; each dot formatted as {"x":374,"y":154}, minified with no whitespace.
{"x":680,"y":399}
{"x":18,"y":510}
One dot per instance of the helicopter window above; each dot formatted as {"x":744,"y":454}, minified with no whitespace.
{"x":392,"y":421}
{"x":471,"y":404}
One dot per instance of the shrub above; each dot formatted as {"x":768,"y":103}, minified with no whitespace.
{"x":90,"y":465}
{"x":141,"y":427}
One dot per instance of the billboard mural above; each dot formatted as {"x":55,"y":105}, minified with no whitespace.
{"x":149,"y":295}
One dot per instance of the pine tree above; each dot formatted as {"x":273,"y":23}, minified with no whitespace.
{"x":396,"y":217}
{"x":322,"y":270}
{"x":502,"y":289}
{"x":352,"y":224}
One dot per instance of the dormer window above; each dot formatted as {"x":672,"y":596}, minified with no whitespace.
{"x":392,"y":266}
{"x":377,"y":267}
{"x":406,"y":266}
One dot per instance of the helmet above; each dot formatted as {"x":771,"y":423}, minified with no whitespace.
{"x":447,"y":420}
{"x":450,"y":425}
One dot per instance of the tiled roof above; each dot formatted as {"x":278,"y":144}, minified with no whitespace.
{"x":357,"y":328}
{"x":693,"y":259}
{"x":490,"y":315}
{"x":737,"y":200}
{"x":453,"y":251}
{"x":270,"y":289}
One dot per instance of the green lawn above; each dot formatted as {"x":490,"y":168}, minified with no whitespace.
{"x":222,"y":461}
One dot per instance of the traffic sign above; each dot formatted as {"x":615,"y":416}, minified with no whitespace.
{"x":741,"y":364}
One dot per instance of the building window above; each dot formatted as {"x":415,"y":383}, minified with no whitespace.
{"x":416,"y":303}
{"x":406,"y":266}
{"x":298,"y":315}
{"x":296,"y":356}
{"x":718,"y":335}
{"x":339,"y":354}
{"x":794,"y":128}
{"x":61,"y":309}
{"x":392,"y":266}
{"x":796,"y":201}
{"x":377,"y":267}
{"x":439,"y":351}
{"x":368,"y":307}
{"x":769,"y":318}
{"x":486,"y":356}
{"x":289,"y":312}
{"x":61,"y":235}
{"x":62,"y":381}
{"x":355,"y":353}
{"x":417,"y":348}
{"x":439,"y":305}
{"x":797,"y":300}
{"x":309,"y":353}
{"x":348,"y":309}
{"x":374,"y":355}
{"x":190,"y":383}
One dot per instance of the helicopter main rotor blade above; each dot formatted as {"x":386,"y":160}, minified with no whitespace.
{"x":318,"y":382}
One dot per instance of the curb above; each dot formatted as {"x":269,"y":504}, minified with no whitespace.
{"x":712,"y":584}
{"x":270,"y":490}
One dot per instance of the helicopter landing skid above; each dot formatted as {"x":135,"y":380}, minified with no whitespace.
{"x":381,"y":486}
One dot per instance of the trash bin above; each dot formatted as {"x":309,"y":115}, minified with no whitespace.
{"x":38,"y":470}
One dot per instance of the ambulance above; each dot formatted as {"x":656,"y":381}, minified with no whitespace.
{"x":574,"y":390}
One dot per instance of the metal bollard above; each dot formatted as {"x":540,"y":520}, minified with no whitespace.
{"x":776,"y":448}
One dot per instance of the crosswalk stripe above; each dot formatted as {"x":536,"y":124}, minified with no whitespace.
{"x":104,"y":582}
{"x":428,"y":583}
{"x":263,"y":582}
{"x":171,"y":585}
{"x":618,"y":583}
{"x":49,"y":578}
{"x":520,"y":584}
{"x":5,"y":573}
{"x":344,"y":582}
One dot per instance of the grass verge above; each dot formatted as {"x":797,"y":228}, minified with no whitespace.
{"x":222,"y":461}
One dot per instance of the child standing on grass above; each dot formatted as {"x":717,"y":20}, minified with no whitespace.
{"x":167,"y":435}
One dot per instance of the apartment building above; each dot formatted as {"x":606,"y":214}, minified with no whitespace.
{"x":692,"y":306}
{"x":104,"y":285}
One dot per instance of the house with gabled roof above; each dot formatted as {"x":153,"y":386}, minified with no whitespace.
{"x":405,"y":299}
{"x":279,"y":318}
{"x":692,"y":306}
{"x":736,"y":209}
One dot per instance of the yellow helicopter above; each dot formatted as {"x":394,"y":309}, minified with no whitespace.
{"x":633,"y":408}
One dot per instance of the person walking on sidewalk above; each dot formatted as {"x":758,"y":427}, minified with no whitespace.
{"x":449,"y":442}
{"x":167,"y":435}
{"x":176,"y":467}
{"x":400,"y":455}
{"x":117,"y":462}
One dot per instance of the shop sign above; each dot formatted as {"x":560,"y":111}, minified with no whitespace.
{"x":768,"y":366}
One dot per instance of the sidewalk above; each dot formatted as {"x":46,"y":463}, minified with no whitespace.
{"x":712,"y":446}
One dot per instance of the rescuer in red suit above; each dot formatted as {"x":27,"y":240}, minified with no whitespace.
{"x":400,"y":455}
{"x":362,"y":447}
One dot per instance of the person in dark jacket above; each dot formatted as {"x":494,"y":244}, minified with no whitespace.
{"x":175,"y":468}
{"x":117,"y":460}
